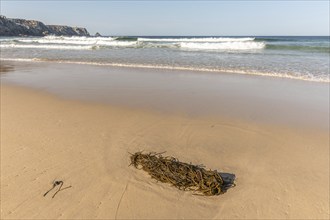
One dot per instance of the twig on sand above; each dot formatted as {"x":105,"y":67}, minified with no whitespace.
{"x":56,"y":183}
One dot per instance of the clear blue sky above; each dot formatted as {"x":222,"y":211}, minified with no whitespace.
{"x":179,"y":18}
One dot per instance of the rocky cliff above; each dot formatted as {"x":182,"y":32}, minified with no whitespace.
{"x":22,"y":27}
{"x":66,"y":30}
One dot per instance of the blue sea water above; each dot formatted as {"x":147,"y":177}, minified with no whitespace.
{"x":301,"y":58}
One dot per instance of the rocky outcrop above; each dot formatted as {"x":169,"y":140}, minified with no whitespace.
{"x":22,"y":27}
{"x":10,"y":28}
{"x":35,"y":28}
{"x":98,"y":34}
{"x":66,"y":30}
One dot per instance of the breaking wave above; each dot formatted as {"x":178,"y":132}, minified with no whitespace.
{"x":47,"y":46}
{"x":303,"y":58}
{"x":224,"y":46}
{"x":207,"y":39}
{"x":93,"y":41}
{"x":186,"y":43}
{"x":66,"y":40}
{"x":90,"y":43}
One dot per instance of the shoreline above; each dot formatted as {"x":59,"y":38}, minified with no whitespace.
{"x":46,"y":137}
{"x":251,"y":98}
{"x":173,"y":68}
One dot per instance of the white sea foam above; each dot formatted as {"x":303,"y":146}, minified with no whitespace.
{"x":87,"y":43}
{"x":93,"y":40}
{"x":96,"y":45}
{"x":51,"y":42}
{"x":67,"y":40}
{"x":77,"y":38}
{"x":183,"y":68}
{"x":47,"y":46}
{"x":224,"y":46}
{"x":116,"y":43}
{"x":206,"y":39}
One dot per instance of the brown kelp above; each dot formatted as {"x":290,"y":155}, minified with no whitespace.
{"x":183,"y":176}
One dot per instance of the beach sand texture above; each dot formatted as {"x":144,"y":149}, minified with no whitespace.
{"x":281,"y":173}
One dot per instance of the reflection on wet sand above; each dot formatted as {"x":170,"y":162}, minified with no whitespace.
{"x":5,"y":68}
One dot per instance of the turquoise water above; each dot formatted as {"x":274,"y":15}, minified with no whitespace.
{"x":300,"y":58}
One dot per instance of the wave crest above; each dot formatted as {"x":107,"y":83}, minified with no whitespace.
{"x":224,"y":46}
{"x":56,"y":47}
{"x":206,"y":39}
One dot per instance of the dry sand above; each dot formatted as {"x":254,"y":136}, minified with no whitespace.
{"x":281,"y":172}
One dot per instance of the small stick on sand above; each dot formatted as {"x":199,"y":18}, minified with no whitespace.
{"x":56,"y":183}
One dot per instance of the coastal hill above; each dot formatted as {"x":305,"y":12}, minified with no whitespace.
{"x":22,"y":27}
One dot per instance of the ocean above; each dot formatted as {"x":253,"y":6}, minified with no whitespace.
{"x":298,"y":58}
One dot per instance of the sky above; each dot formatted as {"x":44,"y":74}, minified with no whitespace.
{"x":179,"y":18}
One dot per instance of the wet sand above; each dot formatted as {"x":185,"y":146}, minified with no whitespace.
{"x":251,"y":98}
{"x":62,"y":131}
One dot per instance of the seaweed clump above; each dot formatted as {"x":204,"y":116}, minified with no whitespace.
{"x":183,"y":176}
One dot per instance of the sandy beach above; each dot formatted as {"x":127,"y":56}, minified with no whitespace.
{"x":273,"y":134}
